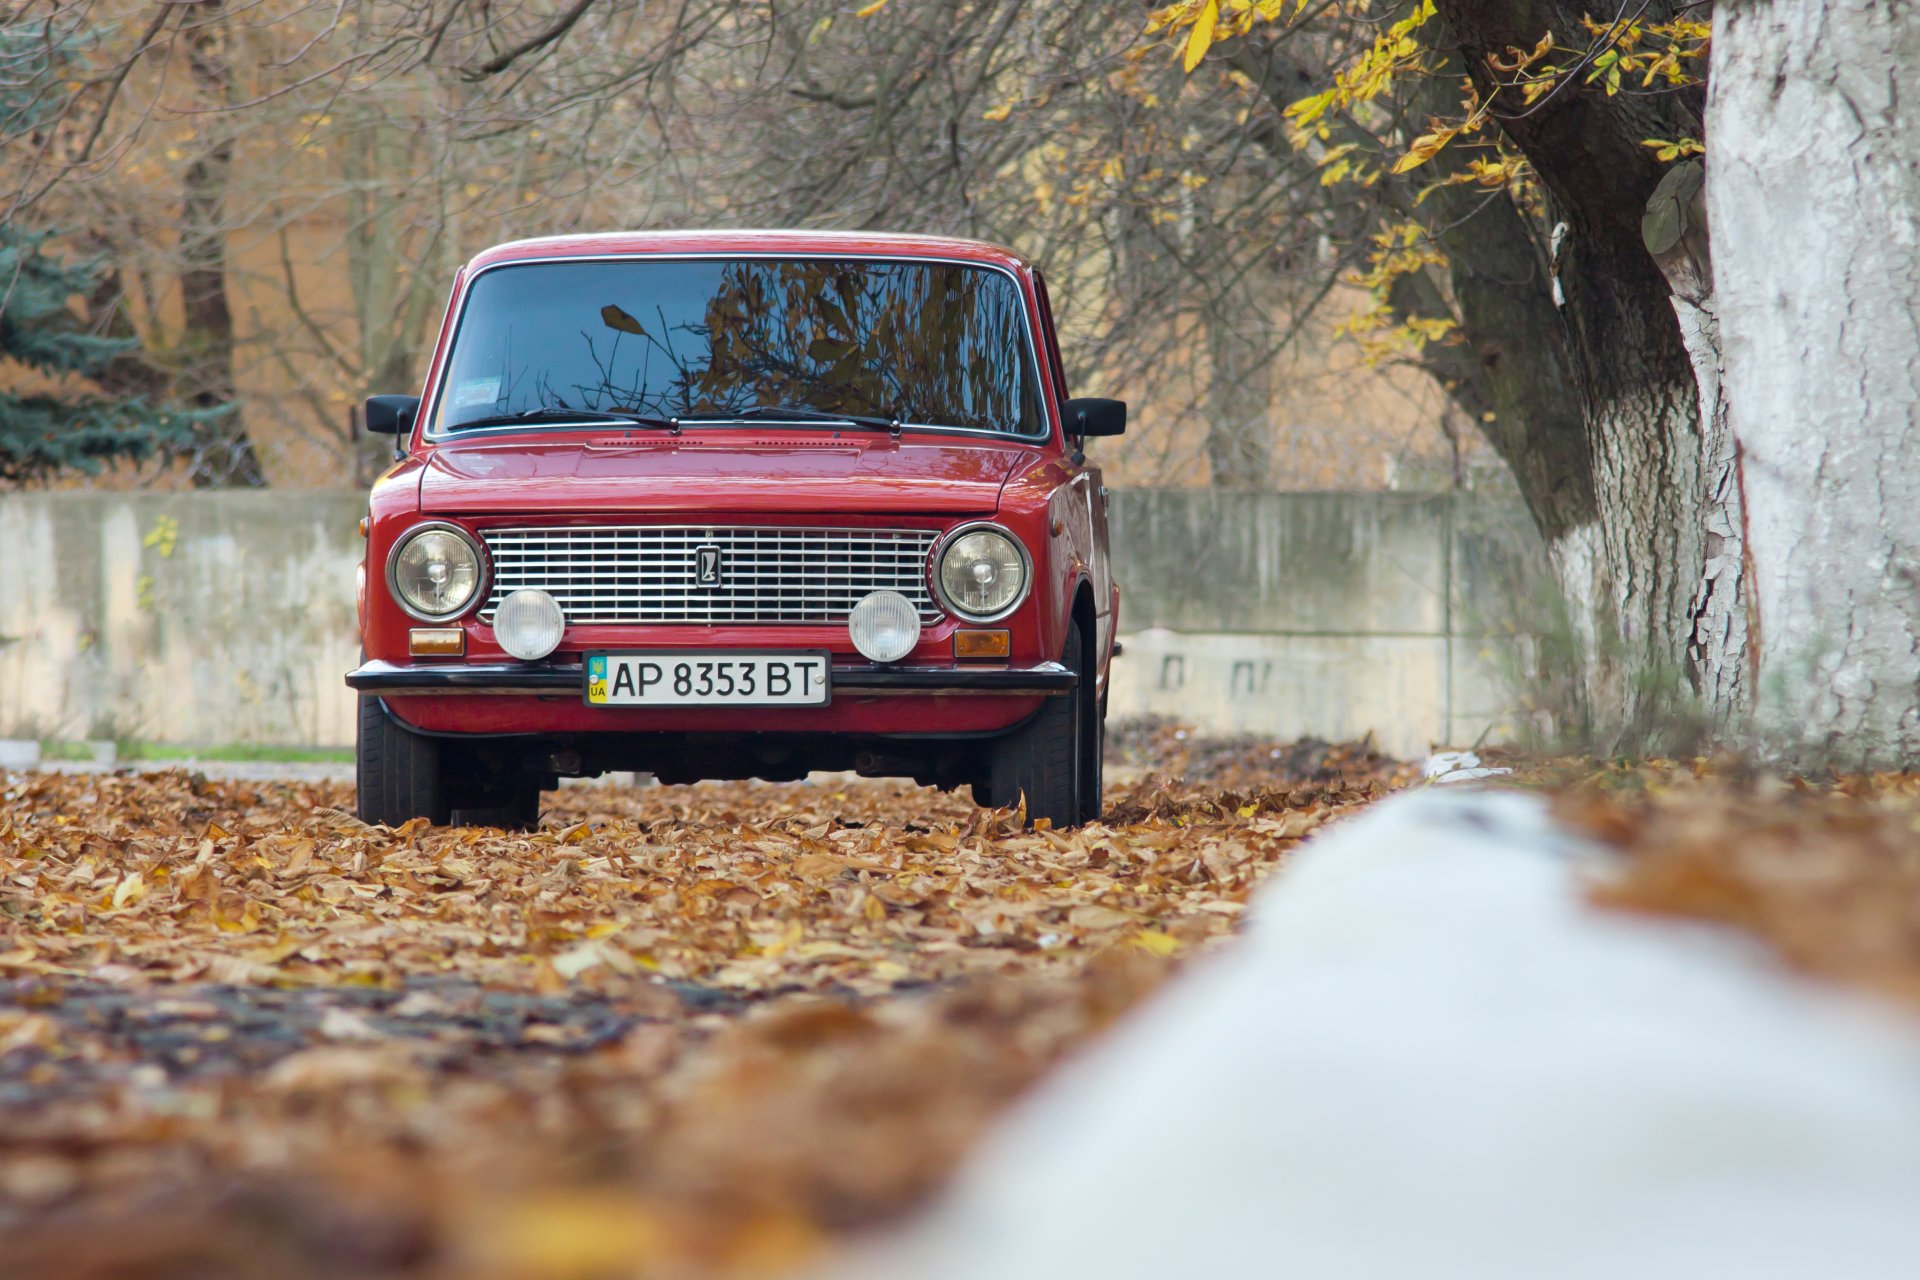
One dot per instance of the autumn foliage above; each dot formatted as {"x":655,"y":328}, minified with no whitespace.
{"x":676,"y":1031}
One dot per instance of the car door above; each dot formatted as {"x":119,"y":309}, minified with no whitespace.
{"x":1089,"y":503}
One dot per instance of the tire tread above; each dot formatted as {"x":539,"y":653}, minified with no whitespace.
{"x":397,"y":773}
{"x":1039,"y":759}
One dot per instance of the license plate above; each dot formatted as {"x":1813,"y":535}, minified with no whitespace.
{"x":707,"y":678}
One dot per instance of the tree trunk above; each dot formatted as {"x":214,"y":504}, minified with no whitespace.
{"x":1645,"y":556}
{"x":1239,"y":396}
{"x":1513,"y":370}
{"x":1719,"y":659}
{"x":1814,"y":185}
{"x":1517,"y":360}
{"x":223,"y":455}
{"x":130,"y":373}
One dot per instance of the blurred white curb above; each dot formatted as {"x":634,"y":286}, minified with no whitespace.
{"x":1429,"y":1058}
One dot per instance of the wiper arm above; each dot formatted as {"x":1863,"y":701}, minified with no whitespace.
{"x":573,"y":415}
{"x":807,"y":413}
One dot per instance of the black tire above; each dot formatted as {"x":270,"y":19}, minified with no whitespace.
{"x":1093,"y":769}
{"x":1045,"y":758}
{"x":398,"y":773}
{"x":517,"y":810}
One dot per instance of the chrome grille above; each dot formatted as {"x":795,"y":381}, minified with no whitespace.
{"x":638,"y":574}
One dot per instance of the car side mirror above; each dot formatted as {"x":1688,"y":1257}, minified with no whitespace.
{"x":1092,"y":416}
{"x":390,"y":415}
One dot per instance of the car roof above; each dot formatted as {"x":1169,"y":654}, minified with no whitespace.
{"x":853,"y":244}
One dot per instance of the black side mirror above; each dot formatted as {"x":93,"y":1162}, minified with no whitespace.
{"x":1091,"y":416}
{"x":390,"y":415}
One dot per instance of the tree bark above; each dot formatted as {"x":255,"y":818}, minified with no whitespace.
{"x":223,"y":454}
{"x":1512,"y":371}
{"x":1646,"y":553}
{"x":1719,"y":659}
{"x":1814,"y":186}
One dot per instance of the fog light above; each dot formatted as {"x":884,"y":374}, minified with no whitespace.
{"x":885,"y":626}
{"x":529,"y":624}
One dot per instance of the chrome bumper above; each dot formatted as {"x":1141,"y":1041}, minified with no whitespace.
{"x":556,"y":680}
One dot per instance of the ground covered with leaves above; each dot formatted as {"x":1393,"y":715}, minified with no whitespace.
{"x":1824,"y":868}
{"x":675,"y":1032}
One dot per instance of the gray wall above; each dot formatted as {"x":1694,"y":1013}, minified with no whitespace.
{"x":1331,"y":614}
{"x":178,"y":617}
{"x":228,"y":617}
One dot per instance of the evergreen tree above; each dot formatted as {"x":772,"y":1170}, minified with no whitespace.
{"x":42,"y":432}
{"x":57,"y":426}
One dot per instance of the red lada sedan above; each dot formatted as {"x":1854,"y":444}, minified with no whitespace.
{"x":735,"y":505}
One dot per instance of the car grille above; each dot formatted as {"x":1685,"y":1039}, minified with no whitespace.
{"x":646,"y":574}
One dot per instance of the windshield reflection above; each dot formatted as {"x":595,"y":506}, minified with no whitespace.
{"x":930,"y":343}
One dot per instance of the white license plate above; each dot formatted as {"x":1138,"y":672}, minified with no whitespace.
{"x":707,"y":678}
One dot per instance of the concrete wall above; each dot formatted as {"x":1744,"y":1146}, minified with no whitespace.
{"x":228,"y":617}
{"x":178,"y":617}
{"x":1331,"y":614}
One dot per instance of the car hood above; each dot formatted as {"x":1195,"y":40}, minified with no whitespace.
{"x":621,"y":473}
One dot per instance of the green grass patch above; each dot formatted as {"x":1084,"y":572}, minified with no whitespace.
{"x":127,"y":752}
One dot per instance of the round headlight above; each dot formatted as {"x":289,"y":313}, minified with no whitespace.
{"x":528,"y":624}
{"x":982,"y":574}
{"x":885,"y":626}
{"x":436,"y":573}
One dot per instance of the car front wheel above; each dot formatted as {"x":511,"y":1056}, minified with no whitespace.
{"x":398,"y":773}
{"x":1046,"y":758}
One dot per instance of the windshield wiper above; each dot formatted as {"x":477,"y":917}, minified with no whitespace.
{"x":573,"y":415}
{"x":807,"y":413}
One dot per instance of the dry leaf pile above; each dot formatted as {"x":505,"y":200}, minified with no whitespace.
{"x":1173,"y":749}
{"x":1827,"y":871}
{"x":675,"y":1032}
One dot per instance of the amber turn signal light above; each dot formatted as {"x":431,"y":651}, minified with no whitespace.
{"x":436,"y":642}
{"x":982,"y":644}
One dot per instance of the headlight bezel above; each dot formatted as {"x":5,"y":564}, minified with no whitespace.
{"x":483,"y":581}
{"x":946,"y":543}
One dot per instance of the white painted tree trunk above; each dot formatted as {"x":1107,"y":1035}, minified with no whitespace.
{"x":1718,"y":658}
{"x":1814,"y":202}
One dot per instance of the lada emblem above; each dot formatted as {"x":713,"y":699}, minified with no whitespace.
{"x":706,"y":566}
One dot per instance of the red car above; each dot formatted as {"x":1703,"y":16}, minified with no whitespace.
{"x":731,"y":505}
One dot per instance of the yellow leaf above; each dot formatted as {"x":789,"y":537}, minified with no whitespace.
{"x":867,"y":11}
{"x":281,"y":950}
{"x":1411,"y":22}
{"x":1424,"y":148}
{"x":131,"y":889}
{"x":1000,"y":112}
{"x":1155,"y":942}
{"x":1201,"y":36}
{"x":572,"y":1232}
{"x":793,"y":934}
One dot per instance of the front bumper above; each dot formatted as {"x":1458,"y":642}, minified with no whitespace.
{"x":560,"y":680}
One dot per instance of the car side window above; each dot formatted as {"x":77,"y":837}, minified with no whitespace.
{"x":1053,"y":341}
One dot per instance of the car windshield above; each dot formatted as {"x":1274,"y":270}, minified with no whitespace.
{"x":926,"y":343}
